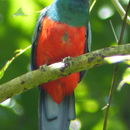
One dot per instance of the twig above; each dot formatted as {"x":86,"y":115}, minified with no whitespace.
{"x":124,"y":25}
{"x":92,"y":5}
{"x":113,"y":30}
{"x":120,"y":10}
{"x":8,"y":63}
{"x":114,"y":79}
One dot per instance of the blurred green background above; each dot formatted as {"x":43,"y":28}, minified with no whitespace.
{"x":17,"y":22}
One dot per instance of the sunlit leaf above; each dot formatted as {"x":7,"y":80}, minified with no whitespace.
{"x":113,"y":44}
{"x":126,"y":75}
{"x":125,"y":80}
{"x":117,"y":58}
{"x":90,"y":106}
{"x":19,"y":12}
{"x":127,"y":62}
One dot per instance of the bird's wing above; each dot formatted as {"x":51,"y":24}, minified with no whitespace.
{"x":35,"y":37}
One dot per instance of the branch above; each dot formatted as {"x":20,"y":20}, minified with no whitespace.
{"x":54,"y":71}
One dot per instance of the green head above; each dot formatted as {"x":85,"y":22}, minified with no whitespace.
{"x":72,"y":12}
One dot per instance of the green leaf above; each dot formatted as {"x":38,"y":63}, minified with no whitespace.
{"x":126,"y":79}
{"x":19,"y":12}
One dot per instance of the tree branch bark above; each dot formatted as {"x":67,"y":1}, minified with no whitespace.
{"x":54,"y":71}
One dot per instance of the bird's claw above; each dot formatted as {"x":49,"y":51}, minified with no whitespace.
{"x":67,"y":60}
{"x":43,"y":67}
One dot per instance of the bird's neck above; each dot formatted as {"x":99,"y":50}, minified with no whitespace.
{"x":72,"y":12}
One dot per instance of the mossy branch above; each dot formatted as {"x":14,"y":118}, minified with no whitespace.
{"x":57,"y":70}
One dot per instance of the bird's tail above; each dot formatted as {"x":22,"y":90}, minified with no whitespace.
{"x":55,"y":116}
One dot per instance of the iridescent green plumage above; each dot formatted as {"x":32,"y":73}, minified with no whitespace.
{"x":72,"y":12}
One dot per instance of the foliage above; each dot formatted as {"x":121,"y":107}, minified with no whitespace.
{"x":17,"y":21}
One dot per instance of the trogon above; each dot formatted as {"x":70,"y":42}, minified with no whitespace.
{"x":62,"y":30}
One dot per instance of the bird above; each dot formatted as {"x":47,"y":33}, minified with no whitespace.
{"x":62,"y":30}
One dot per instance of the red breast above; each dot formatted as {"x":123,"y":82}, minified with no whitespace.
{"x":56,"y":41}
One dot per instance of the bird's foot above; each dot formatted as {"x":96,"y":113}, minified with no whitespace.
{"x":43,"y":67}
